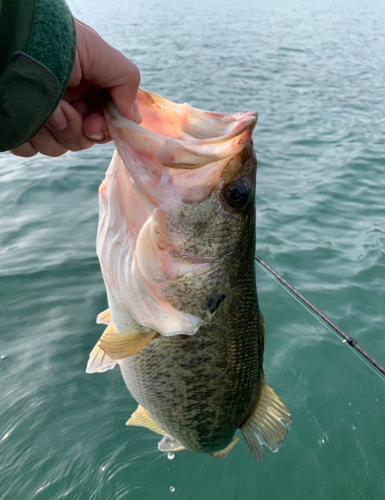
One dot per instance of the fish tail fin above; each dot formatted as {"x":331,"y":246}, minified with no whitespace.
{"x":267,"y":424}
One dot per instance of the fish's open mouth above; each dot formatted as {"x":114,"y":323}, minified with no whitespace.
{"x":183,"y":122}
{"x":169,"y":165}
{"x":177,"y":150}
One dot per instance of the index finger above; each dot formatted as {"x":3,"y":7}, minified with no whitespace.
{"x":104,"y":66}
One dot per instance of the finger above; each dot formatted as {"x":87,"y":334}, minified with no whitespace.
{"x":95,"y":127}
{"x":81,"y":107}
{"x":66,"y":126}
{"x":105,"y":67}
{"x":46,"y":144}
{"x":26,"y":150}
{"x":125,"y":98}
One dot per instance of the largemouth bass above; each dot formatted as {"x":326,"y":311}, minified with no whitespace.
{"x":176,"y":244}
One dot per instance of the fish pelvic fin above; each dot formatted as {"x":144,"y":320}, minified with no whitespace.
{"x":104,"y":317}
{"x":123,"y":345}
{"x":223,"y":453}
{"x":140,"y":418}
{"x":99,"y":361}
{"x":267,"y":424}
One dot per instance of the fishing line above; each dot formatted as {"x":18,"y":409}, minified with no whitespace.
{"x":317,"y":313}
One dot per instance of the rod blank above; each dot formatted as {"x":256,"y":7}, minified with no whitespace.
{"x":347,"y":338}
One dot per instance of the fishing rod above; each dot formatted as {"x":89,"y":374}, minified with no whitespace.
{"x":347,"y":338}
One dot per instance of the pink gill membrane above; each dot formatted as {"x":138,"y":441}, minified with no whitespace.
{"x":175,"y":156}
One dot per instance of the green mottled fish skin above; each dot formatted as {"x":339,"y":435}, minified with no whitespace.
{"x":201,"y":388}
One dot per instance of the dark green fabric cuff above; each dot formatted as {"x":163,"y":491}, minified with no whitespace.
{"x":34,"y":76}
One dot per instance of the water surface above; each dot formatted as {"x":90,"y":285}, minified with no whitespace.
{"x":315,"y":72}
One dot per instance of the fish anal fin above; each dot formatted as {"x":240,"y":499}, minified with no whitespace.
{"x":267,"y":424}
{"x":223,"y":453}
{"x":99,"y":361}
{"x":168,"y":443}
{"x":104,"y":317}
{"x":122,"y":345}
{"x":140,"y":418}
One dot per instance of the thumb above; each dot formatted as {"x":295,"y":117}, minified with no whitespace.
{"x":100,"y":65}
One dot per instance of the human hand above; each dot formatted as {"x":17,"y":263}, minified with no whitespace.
{"x":78,"y":122}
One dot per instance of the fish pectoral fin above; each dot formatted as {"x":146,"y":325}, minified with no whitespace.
{"x":266,"y":425}
{"x":223,"y":453}
{"x":140,"y":418}
{"x":104,"y":317}
{"x":99,"y":361}
{"x":168,"y":443}
{"x":122,"y":345}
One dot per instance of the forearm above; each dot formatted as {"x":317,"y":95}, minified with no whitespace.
{"x":37,"y":51}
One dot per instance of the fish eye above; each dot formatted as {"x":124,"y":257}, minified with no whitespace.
{"x":238,"y":193}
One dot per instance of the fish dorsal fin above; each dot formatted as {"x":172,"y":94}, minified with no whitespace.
{"x":104,"y":317}
{"x":122,"y":345}
{"x":266,"y":424}
{"x":99,"y":361}
{"x":140,"y":418}
{"x":223,"y":453}
{"x":168,"y":443}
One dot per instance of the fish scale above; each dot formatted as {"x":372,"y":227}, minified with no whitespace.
{"x":223,"y":383}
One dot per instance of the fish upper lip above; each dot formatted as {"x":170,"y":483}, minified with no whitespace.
{"x":221,"y":128}
{"x":239,"y":126}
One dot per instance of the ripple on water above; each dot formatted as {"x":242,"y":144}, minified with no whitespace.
{"x":314,"y":72}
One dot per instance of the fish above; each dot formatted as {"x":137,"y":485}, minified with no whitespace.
{"x":176,"y":244}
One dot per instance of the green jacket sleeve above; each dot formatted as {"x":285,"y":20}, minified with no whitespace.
{"x":37,"y":52}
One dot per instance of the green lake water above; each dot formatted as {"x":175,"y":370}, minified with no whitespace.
{"x":315,"y":72}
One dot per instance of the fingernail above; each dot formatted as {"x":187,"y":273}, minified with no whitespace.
{"x":58,"y":120}
{"x":137,"y":115}
{"x":138,"y":118}
{"x":99,"y":136}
